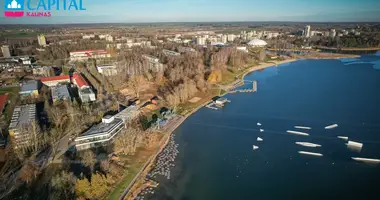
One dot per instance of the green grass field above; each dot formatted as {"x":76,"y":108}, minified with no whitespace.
{"x":12,"y":97}
{"x":119,"y":188}
{"x":18,"y":35}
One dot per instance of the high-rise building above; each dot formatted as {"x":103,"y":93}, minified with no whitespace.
{"x":250,"y":34}
{"x":307,"y":31}
{"x":231,"y":37}
{"x":23,"y":120}
{"x":41,"y":40}
{"x":6,"y":51}
{"x":109,"y":38}
{"x":224,"y":38}
{"x":201,"y":41}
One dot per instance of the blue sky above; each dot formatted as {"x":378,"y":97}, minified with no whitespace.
{"x":103,"y":11}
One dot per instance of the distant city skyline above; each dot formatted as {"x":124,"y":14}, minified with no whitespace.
{"x":140,"y":11}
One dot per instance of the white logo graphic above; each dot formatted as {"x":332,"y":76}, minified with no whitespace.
{"x":14,"y":5}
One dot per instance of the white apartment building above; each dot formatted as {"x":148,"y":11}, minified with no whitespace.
{"x":231,"y":37}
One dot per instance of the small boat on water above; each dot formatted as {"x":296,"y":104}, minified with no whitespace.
{"x":297,"y":133}
{"x":259,"y":139}
{"x":343,"y":137}
{"x":308,"y":144}
{"x":331,"y":126}
{"x":261,"y":130}
{"x":355,"y":144}
{"x":303,"y":127}
{"x":258,"y":124}
{"x":369,"y":160}
{"x":254,"y":147}
{"x":310,"y":153}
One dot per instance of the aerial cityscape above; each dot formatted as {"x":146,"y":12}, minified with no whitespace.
{"x":180,"y":99}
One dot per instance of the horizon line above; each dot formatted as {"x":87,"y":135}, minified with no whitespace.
{"x":176,"y":22}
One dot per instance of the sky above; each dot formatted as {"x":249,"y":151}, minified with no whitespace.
{"x":138,"y":11}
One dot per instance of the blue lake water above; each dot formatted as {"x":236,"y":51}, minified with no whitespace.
{"x":216,"y":159}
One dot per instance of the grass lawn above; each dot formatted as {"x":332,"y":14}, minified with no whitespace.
{"x":185,"y":108}
{"x":19,"y":35}
{"x":135,"y":162}
{"x":12,"y":97}
{"x":229,"y":76}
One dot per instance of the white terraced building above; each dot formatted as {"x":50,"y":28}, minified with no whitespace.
{"x":105,"y":132}
{"x":100,"y":134}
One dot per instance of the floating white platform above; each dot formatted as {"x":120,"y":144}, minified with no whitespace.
{"x":254,"y":147}
{"x":258,"y":124}
{"x":370,"y":160}
{"x":297,"y":133}
{"x":355,"y":144}
{"x":259,"y":139}
{"x":331,"y":126}
{"x":308,"y":144}
{"x":343,"y":137}
{"x":261,"y":130}
{"x":310,"y":153}
{"x":303,"y":127}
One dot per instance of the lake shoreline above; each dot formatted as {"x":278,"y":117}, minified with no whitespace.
{"x":261,"y":66}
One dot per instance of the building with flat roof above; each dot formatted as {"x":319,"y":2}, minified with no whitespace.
{"x":60,"y":93}
{"x":22,"y":119}
{"x":41,"y":40}
{"x":107,"y":70}
{"x":100,"y":134}
{"x":154,"y":63}
{"x":29,"y":88}
{"x":86,"y":54}
{"x":90,"y":36}
{"x":307,"y":31}
{"x":186,"y":49}
{"x":86,"y":95}
{"x":201,"y":40}
{"x":6,"y":52}
{"x":170,"y":53}
{"x":43,"y":71}
{"x":128,"y":114}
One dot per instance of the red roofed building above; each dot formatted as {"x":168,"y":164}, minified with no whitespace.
{"x":55,"y":80}
{"x":84,"y":90}
{"x":86,"y":54}
{"x":3,"y":101}
{"x":79,"y":81}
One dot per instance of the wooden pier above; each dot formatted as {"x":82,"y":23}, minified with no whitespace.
{"x":254,"y":88}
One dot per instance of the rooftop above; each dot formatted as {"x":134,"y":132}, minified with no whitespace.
{"x":86,"y":91}
{"x":101,"y":128}
{"x":29,"y":85}
{"x":60,"y":92}
{"x":257,"y":42}
{"x":55,"y":78}
{"x":80,"y":81}
{"x":89,"y":51}
{"x":3,"y":100}
{"x":23,"y":115}
{"x":128,"y":113}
